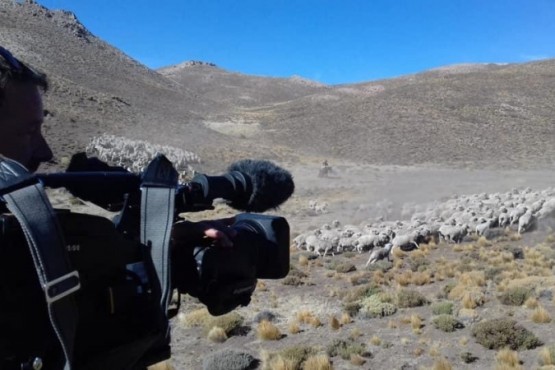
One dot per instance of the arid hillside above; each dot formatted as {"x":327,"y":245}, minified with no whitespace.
{"x":465,"y":115}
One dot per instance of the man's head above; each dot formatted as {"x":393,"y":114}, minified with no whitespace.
{"x":21,"y":112}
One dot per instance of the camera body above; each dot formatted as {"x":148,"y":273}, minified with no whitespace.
{"x":224,"y":278}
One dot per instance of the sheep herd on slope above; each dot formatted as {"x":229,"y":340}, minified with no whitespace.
{"x":135,"y":155}
{"x":451,"y":221}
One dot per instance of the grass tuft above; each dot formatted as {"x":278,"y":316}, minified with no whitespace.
{"x":507,"y":359}
{"x":541,"y":316}
{"x":217,"y":335}
{"x":267,"y":331}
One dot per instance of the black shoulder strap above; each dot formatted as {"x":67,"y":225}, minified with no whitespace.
{"x":157,"y":216}
{"x":26,"y":199}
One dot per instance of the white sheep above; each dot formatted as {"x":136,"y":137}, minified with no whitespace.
{"x":380,"y":254}
{"x":526,"y":222}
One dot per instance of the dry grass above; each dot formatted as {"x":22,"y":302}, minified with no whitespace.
{"x":531,"y":303}
{"x":261,"y":286}
{"x":345,"y":319}
{"x":421,"y":278}
{"x":355,"y":333}
{"x":334,"y":323}
{"x":304,"y":316}
{"x":375,"y":340}
{"x":435,"y":350}
{"x":165,"y":365}
{"x":315,"y":322}
{"x":483,"y":242}
{"x":442,"y":364}
{"x":397,"y":253}
{"x":541,"y":316}
{"x":404,"y":278}
{"x":357,"y":360}
{"x":507,"y":359}
{"x":276,"y":362}
{"x":303,"y":260}
{"x":217,"y":335}
{"x":472,"y":300}
{"x":267,"y":331}
{"x":416,"y":322}
{"x":293,"y":328}
{"x":418,"y":351}
{"x":547,"y":356}
{"x":317,"y":362}
{"x":194,"y":318}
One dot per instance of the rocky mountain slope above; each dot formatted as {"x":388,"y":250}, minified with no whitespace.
{"x":464,"y":115}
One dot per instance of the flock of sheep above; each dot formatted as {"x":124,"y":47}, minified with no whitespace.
{"x":450,"y":221}
{"x":135,"y":155}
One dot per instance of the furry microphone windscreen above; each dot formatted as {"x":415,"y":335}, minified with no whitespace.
{"x":271,"y":185}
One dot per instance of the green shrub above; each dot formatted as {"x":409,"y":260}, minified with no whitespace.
{"x":293,"y":271}
{"x":298,"y":354}
{"x":447,"y":288}
{"x":361,"y":292}
{"x":515,"y":296}
{"x":492,"y":273}
{"x":468,"y":357}
{"x":345,"y":267}
{"x":351,"y":308}
{"x":504,"y":332}
{"x":228,"y":359}
{"x":346,"y":348}
{"x":442,"y":308}
{"x":373,"y":306}
{"x":420,"y":263}
{"x":410,"y":298}
{"x":229,"y":322}
{"x":447,"y":323}
{"x":292,"y":281}
{"x":382,"y":265}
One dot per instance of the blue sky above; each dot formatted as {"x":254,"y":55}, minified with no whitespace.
{"x":331,"y":41}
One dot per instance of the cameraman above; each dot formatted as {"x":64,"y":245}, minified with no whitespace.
{"x":21,"y":139}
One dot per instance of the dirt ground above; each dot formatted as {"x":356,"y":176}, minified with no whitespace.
{"x":356,"y":194}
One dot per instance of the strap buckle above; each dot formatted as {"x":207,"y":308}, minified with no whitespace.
{"x":62,"y":287}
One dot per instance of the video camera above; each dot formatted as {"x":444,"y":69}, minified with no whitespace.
{"x":220,"y":278}
{"x":120,"y":323}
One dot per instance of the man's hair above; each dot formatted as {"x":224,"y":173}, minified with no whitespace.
{"x":14,"y":70}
